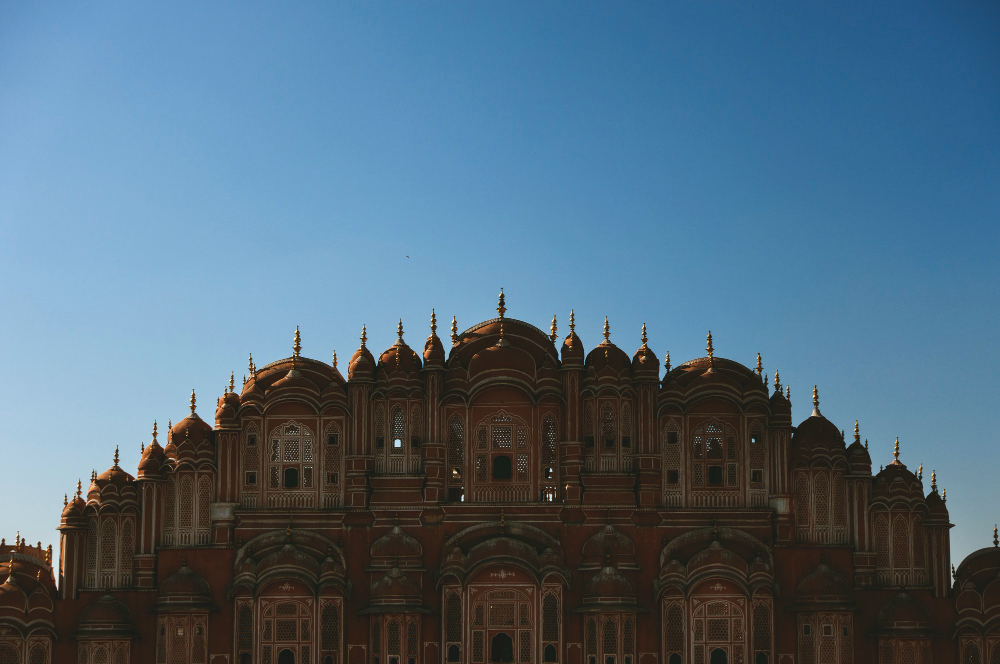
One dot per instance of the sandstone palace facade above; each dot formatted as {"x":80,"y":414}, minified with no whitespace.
{"x":510,"y":499}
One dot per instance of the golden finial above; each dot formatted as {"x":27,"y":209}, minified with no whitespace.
{"x":710,"y":349}
{"x":920,"y":472}
{"x":93,"y":475}
{"x":454,"y":331}
{"x":501,"y":309}
{"x":857,"y":433}
{"x":816,"y":397}
{"x":866,"y":444}
{"x":996,"y":542}
{"x":777,"y":382}
{"x":399,"y":330}
{"x":297,"y":346}
{"x":933,"y":480}
{"x":116,"y":456}
{"x":666,"y":363}
{"x":944,"y":495}
{"x":48,"y":554}
{"x":552,"y":329}
{"x":572,"y":321}
{"x":65,"y":499}
{"x":766,"y":380}
{"x":434,"y":323}
{"x":607,"y":331}
{"x":79,"y":488}
{"x":251,"y":368}
{"x":895,"y":451}
{"x":154,"y":430}
{"x":142,"y":448}
{"x":232,"y":381}
{"x":334,"y":359}
{"x":193,"y":402}
{"x":760,"y":367}
{"x":644,"y":340}
{"x":364,"y":336}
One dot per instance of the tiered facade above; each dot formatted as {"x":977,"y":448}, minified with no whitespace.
{"x":513,"y":499}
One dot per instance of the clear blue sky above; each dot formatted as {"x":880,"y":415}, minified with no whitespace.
{"x":183,"y":184}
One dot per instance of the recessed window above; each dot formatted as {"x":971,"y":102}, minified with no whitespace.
{"x":180,"y":631}
{"x":333,"y":439}
{"x":589,"y":441}
{"x":671,"y":438}
{"x":626,"y":441}
{"x":754,"y":438}
{"x":845,"y":631}
{"x":714,"y":475}
{"x":251,"y":441}
{"x":673,"y":477}
{"x":456,"y":473}
{"x":757,"y":476}
{"x":806,"y":629}
{"x":415,"y":441}
{"x":251,"y":479}
{"x":331,"y":478}
{"x":609,"y":660}
{"x":454,"y":653}
{"x":827,"y":630}
{"x":397,"y":443}
{"x":550,"y":653}
{"x":291,"y":478}
{"x":548,"y":473}
{"x":456,"y":495}
{"x":379,"y":441}
{"x":502,"y":468}
{"x":609,"y":442}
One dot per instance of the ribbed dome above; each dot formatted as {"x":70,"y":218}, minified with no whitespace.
{"x":903,"y":613}
{"x":608,"y":356}
{"x":816,"y":435}
{"x":824,"y":586}
{"x":362,"y":364}
{"x":859,"y":459}
{"x":73,"y":508}
{"x":572,"y":349}
{"x":434,"y":351}
{"x":897,"y":482}
{"x":396,"y":544}
{"x":610,"y":584}
{"x":184,"y":582}
{"x":645,"y":363}
{"x":395,"y":585}
{"x":153,"y":458}
{"x":106,"y":617}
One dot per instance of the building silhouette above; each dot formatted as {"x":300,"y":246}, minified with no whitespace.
{"x":512,"y":499}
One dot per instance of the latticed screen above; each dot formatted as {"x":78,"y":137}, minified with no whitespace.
{"x":453,"y":630}
{"x":882,"y":541}
{"x":761,"y":627}
{"x":456,"y":443}
{"x":550,"y":618}
{"x":392,"y":638}
{"x":900,"y":544}
{"x":524,"y":652}
{"x":822,"y":493}
{"x":608,"y":434}
{"x":628,"y":636}
{"x":331,"y":626}
{"x":502,"y":437}
{"x":839,"y":495}
{"x":675,"y":628}
{"x":591,"y":637}
{"x":477,"y":646}
{"x":610,"y":638}
{"x":398,"y":428}
{"x":244,"y":627}
{"x":411,"y":639}
{"x":801,"y":501}
{"x":109,"y":543}
{"x":128,"y":536}
{"x":549,"y":441}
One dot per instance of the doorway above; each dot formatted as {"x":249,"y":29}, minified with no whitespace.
{"x":286,"y":656}
{"x":501,"y":648}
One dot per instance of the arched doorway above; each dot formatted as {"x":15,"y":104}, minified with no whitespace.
{"x":502,"y":648}
{"x":719,"y":630}
{"x":286,"y":656}
{"x":718,"y":657}
{"x":286,"y":630}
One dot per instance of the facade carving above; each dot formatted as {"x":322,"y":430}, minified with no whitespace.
{"x":512,"y":499}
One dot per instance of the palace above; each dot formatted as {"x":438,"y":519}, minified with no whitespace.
{"x":512,"y":499}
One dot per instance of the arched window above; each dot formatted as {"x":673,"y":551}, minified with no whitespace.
{"x":330,"y":634}
{"x":609,"y":434}
{"x":128,"y":543}
{"x":591,"y":641}
{"x":674,"y":629}
{"x":251,"y":462}
{"x":398,"y":430}
{"x":971,"y":654}
{"x":588,"y":423}
{"x":332,"y":458}
{"x":453,"y":626}
{"x":881,"y":537}
{"x":900,"y":544}
{"x":502,"y":469}
{"x":292,"y":449}
{"x":92,"y":544}
{"x":456,"y":458}
{"x":204,"y":509}
{"x":109,"y":547}
{"x":714,"y":457}
{"x":802,"y":502}
{"x":416,"y":427}
{"x":379,"y":427}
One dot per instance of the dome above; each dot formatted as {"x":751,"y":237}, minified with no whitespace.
{"x":73,"y":508}
{"x":859,"y":459}
{"x":781,"y":409}
{"x":608,"y":357}
{"x":433,"y":348}
{"x":824,"y":586}
{"x":153,"y":458}
{"x":572,"y":348}
{"x":396,"y":544}
{"x":362,"y":364}
{"x":395,"y":585}
{"x":184,"y":583}
{"x":644,"y":362}
{"x":902,"y":613}
{"x":897,"y":482}
{"x":293,"y":378}
{"x":609,"y":583}
{"x":816,"y":435}
{"x":105,"y":617}
{"x":937,"y":511}
{"x":191,"y":426}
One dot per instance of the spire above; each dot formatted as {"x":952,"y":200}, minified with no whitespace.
{"x":710,"y":349}
{"x":65,"y":499}
{"x":93,"y":475}
{"x":895,"y":452}
{"x":788,"y":393}
{"x":816,"y":412}
{"x":79,"y":488}
{"x":251,"y":368}
{"x":765,"y":381}
{"x":334,"y":359}
{"x":364,"y":336}
{"x":920,"y":472}
{"x":644,"y":339}
{"x":116,"y":456}
{"x":760,"y":367}
{"x":454,"y":331}
{"x":154,"y":431}
{"x":399,"y":332}
{"x":607,"y":331}
{"x":933,"y":480}
{"x":866,"y":444}
{"x":552,"y":330}
{"x":501,"y":309}
{"x":944,"y":495}
{"x":434,"y":323}
{"x":297,"y":346}
{"x":572,"y":321}
{"x":193,"y":402}
{"x":857,"y":433}
{"x":996,"y":542}
{"x":777,"y":382}
{"x":666,"y":363}
{"x":142,"y":448}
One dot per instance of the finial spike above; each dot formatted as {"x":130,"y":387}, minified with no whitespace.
{"x":816,"y":397}
{"x":334,"y":359}
{"x":710,"y":348}
{"x":116,"y":456}
{"x":760,"y":367}
{"x":232,"y":381}
{"x":193,"y":402}
{"x":297,"y":346}
{"x":920,"y":472}
{"x":454,"y":331}
{"x":434,"y":323}
{"x":895,"y":451}
{"x":607,"y":331}
{"x":251,"y":368}
{"x":154,"y":430}
{"x":501,"y":309}
{"x":944,"y":495}
{"x":364,"y":335}
{"x":79,"y":488}
{"x":766,"y":380}
{"x":65,"y":499}
{"x":777,"y":382}
{"x":572,"y":321}
{"x":666,"y":363}
{"x":996,"y":541}
{"x":399,"y":329}
{"x":552,"y":330}
{"x":933,"y":480}
{"x":857,"y":433}
{"x":644,"y":339}
{"x":866,"y":444}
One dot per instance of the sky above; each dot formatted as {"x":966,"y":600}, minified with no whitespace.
{"x":182,"y":184}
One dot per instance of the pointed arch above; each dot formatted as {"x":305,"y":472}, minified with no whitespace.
{"x":109,"y":552}
{"x":128,"y":544}
{"x":416,"y":424}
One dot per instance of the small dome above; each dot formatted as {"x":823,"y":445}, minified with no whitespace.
{"x":153,"y":458}
{"x":184,"y":583}
{"x":395,"y":585}
{"x":897,"y":482}
{"x":781,"y":409}
{"x":608,"y":356}
{"x":191,"y":426}
{"x":105,"y":617}
{"x":816,"y":435}
{"x":362,"y":364}
{"x":645,"y":363}
{"x":73,"y":508}
{"x":937,"y":511}
{"x":398,"y":359}
{"x":396,"y":544}
{"x":824,"y":586}
{"x":859,"y":459}
{"x":902,"y":613}
{"x":608,"y":583}
{"x":572,"y":349}
{"x":434,"y":351}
